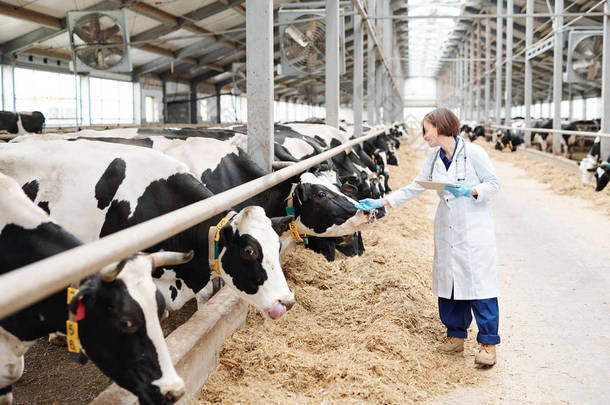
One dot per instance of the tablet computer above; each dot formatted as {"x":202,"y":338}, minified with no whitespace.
{"x":433,"y":185}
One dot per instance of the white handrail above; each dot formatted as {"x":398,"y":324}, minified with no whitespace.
{"x":554,"y":131}
{"x":29,"y":284}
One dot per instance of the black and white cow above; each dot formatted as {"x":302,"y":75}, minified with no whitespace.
{"x":21,"y":122}
{"x":97,"y":188}
{"x":119,"y":309}
{"x":602,"y":175}
{"x":589,"y":163}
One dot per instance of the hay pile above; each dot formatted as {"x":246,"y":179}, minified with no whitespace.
{"x":363,"y":329}
{"x":559,"y":180}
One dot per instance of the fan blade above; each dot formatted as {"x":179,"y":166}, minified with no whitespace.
{"x":592,"y":72}
{"x":296,"y":35}
{"x":83,"y":34}
{"x":94,"y":21}
{"x":109,"y":32}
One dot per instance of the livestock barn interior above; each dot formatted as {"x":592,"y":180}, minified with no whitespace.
{"x":182,"y":187}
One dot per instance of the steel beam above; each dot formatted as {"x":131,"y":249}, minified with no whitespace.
{"x":605,"y":125}
{"x":357,"y":103}
{"x":370,"y":74}
{"x":499,"y":22}
{"x":259,"y":70}
{"x":529,"y":29}
{"x":557,"y":75}
{"x":509,"y":64}
{"x":332,"y":63}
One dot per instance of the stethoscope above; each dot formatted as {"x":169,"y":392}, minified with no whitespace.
{"x":462,"y":149}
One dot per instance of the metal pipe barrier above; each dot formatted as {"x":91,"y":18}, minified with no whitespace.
{"x":32,"y":283}
{"x":554,"y":131}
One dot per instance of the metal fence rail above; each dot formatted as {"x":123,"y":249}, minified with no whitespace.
{"x":554,"y":131}
{"x":29,"y":284}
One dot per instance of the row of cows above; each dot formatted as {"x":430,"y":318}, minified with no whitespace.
{"x":592,"y":166}
{"x":59,"y":191}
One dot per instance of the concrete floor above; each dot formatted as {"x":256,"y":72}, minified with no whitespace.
{"x":554,"y":258}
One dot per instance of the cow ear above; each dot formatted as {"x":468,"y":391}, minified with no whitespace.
{"x":349,"y":189}
{"x":280,"y":224}
{"x":226,"y":235}
{"x":85,"y":294}
{"x":300,"y":193}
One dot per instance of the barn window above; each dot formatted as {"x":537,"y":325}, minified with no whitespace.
{"x":111,"y":101}
{"x":53,"y":94}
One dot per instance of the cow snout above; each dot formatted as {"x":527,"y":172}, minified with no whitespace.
{"x":174,"y":395}
{"x":289,"y":303}
{"x":174,"y":392}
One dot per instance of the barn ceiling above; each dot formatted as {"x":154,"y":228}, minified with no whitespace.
{"x":199,"y":41}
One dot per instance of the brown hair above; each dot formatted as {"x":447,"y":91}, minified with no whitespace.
{"x":444,"y":120}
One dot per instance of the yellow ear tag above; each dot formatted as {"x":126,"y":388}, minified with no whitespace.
{"x":70,"y":294}
{"x":294,"y":232}
{"x":72,"y":336}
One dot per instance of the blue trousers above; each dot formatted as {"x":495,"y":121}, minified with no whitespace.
{"x":457,"y":316}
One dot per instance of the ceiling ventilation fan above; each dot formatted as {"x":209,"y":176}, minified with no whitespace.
{"x":303,"y":41}
{"x":98,"y":40}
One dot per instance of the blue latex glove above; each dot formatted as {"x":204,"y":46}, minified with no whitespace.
{"x":459,"y":190}
{"x":369,"y":204}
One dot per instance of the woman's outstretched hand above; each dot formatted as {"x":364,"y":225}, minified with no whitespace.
{"x":369,"y":204}
{"x":459,"y":190}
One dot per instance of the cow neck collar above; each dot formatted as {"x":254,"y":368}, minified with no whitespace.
{"x":214,"y":241}
{"x":292,"y":226}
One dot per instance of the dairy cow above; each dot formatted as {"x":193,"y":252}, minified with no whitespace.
{"x":117,"y":310}
{"x":21,"y":122}
{"x":589,"y":163}
{"x":602,"y":175}
{"x":97,"y":188}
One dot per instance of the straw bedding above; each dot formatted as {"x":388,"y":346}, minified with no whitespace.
{"x":363,"y":329}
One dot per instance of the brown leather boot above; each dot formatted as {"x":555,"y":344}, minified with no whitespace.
{"x":451,"y":345}
{"x":486,"y":355}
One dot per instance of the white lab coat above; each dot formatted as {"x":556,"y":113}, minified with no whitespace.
{"x":464,"y":237}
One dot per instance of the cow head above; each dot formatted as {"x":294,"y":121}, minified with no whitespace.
{"x":323,"y":210}
{"x":602,"y":176}
{"x":587,"y":166}
{"x":120,"y":331}
{"x":249,"y":260}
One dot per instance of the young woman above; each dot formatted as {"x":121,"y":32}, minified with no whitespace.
{"x":465,"y":274}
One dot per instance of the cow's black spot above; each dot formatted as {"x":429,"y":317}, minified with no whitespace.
{"x":334,"y":143}
{"x":109,"y":183}
{"x":117,"y":218}
{"x":31,"y":189}
{"x":174,"y":292}
{"x":158,"y":272}
{"x":45,"y":206}
{"x":179,"y":284}
{"x":247,"y":274}
{"x":6,"y":390}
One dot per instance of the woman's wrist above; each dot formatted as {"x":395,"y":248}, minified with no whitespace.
{"x":474,"y":193}
{"x":385,"y":203}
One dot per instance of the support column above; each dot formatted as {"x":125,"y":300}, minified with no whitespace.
{"x":571,"y":107}
{"x":487,"y":67}
{"x":194,"y":110}
{"x":85,"y":101}
{"x":499,"y":29}
{"x":259,"y":71}
{"x":164,"y":101}
{"x":358,"y":75}
{"x":332,"y":63}
{"x":8,"y":87}
{"x":386,"y":24}
{"x":605,"y":125}
{"x":557,"y":75}
{"x":478,"y":75}
{"x":370,"y":72}
{"x":529,"y":34}
{"x":471,"y":80}
{"x":509,"y":63}
{"x":218,"y":110}
{"x":584,"y":103}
